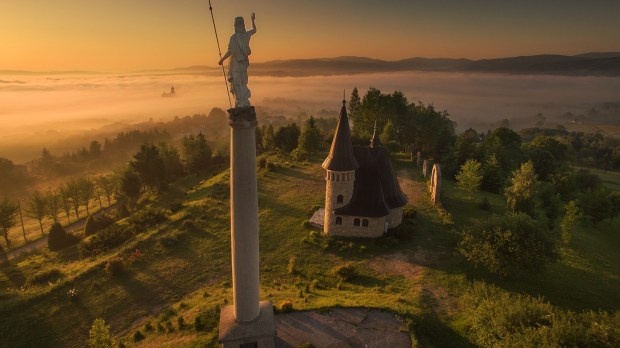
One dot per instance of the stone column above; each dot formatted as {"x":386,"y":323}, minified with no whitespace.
{"x":244,"y":214}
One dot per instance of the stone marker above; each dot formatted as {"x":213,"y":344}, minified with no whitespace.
{"x":435,"y":186}
{"x":425,"y":168}
{"x":418,"y":159}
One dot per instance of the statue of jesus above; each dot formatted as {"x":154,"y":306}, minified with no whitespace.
{"x":239,"y":51}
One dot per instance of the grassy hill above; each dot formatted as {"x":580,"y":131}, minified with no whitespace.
{"x":184,"y":269}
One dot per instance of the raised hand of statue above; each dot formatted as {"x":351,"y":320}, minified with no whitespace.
{"x":253,"y":16}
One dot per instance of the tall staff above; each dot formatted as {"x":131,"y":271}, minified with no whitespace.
{"x":219,"y":51}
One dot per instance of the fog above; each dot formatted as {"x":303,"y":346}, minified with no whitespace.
{"x":36,"y":110}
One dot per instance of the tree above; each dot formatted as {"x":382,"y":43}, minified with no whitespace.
{"x":36,"y":208}
{"x":522,"y":193}
{"x":505,"y":144}
{"x":287,"y":137}
{"x":8,"y":216}
{"x":130,"y":185}
{"x":74,"y":191}
{"x":65,"y":200}
{"x":197,"y":153}
{"x":268,"y":138}
{"x":354,"y":104}
{"x":54,"y":203}
{"x":87,"y":191}
{"x":173,"y":168}
{"x":507,"y":243}
{"x":492,"y":177}
{"x":107,"y":186}
{"x":571,"y":214}
{"x":99,"y":335}
{"x":310,"y":139}
{"x":149,"y":166}
{"x":94,"y":149}
{"x":548,"y":155}
{"x":596,"y":204}
{"x":470,"y":176}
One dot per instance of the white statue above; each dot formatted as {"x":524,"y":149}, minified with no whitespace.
{"x":239,"y":50}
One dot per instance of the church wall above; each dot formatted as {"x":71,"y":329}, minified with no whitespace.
{"x":374,"y":229}
{"x":395,"y":217}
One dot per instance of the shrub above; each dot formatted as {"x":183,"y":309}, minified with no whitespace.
{"x":59,"y":238}
{"x":285,"y":306}
{"x":262,"y":163}
{"x":176,"y":206}
{"x":115,"y":266}
{"x":345,"y":272}
{"x":148,"y":218}
{"x":138,"y":336}
{"x":106,"y":239}
{"x":207,"y":320}
{"x":181,"y":323}
{"x":99,"y":335}
{"x":122,"y":211}
{"x":95,"y":224}
{"x":188,"y":225}
{"x":306,"y":224}
{"x":168,"y":241}
{"x":506,"y":243}
{"x":148,"y":327}
{"x":484,"y":204}
{"x":292,"y":264}
{"x":409,"y":212}
{"x":44,"y":277}
{"x":271,"y":166}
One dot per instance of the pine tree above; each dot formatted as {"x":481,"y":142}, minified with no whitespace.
{"x":470,"y":176}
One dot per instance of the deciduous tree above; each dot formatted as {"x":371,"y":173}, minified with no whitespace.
{"x":8,"y":218}
{"x":36,"y":208}
{"x":470,"y":176}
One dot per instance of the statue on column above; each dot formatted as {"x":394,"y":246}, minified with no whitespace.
{"x":239,"y":52}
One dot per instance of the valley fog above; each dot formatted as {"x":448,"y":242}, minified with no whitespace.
{"x":37,"y":110}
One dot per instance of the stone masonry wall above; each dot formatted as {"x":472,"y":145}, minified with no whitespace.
{"x":337,"y":183}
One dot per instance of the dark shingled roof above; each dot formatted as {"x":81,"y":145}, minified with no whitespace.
{"x":340,"y":156}
{"x":376,"y":189}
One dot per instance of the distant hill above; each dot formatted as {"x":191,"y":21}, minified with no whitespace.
{"x":588,"y":64}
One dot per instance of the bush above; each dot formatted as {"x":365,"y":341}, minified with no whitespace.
{"x":207,"y":320}
{"x":44,"y":277}
{"x":174,"y":207}
{"x":345,"y":272}
{"x":484,"y":204}
{"x":99,"y":335}
{"x":271,"y":166}
{"x":122,"y":211}
{"x":494,"y":317}
{"x":59,"y":238}
{"x":188,"y":225}
{"x":285,"y":306}
{"x":95,"y":224}
{"x":168,"y":241}
{"x":262,"y":163}
{"x":409,"y":212}
{"x":115,"y":266}
{"x":507,"y":243}
{"x":138,"y":336}
{"x":181,"y":323}
{"x":148,"y":218}
{"x":106,"y":239}
{"x":292,"y":264}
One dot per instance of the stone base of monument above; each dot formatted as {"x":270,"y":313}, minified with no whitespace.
{"x":258,"y":333}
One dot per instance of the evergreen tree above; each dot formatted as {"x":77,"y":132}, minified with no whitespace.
{"x":286,"y":138}
{"x":59,"y":238}
{"x":470,"y":176}
{"x":197,"y":153}
{"x":354,"y":105}
{"x":310,"y":139}
{"x":172,"y":162}
{"x":492,"y":177}
{"x":149,"y":166}
{"x":130,"y":185}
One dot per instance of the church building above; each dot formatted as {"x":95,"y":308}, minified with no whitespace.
{"x":362,"y":194}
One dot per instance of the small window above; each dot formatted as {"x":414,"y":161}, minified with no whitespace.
{"x":365,"y":222}
{"x":356,"y":222}
{"x":339,"y":199}
{"x":338,"y":220}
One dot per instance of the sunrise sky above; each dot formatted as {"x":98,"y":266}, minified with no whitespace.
{"x":131,"y":35}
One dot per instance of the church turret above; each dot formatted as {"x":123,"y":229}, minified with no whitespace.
{"x":340,"y":165}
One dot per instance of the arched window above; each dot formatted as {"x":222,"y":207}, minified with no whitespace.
{"x":365,"y":222}
{"x":338,"y":220}
{"x":356,"y":222}
{"x":339,"y":199}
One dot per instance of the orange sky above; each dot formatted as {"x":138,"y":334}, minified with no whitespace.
{"x":121,"y":35}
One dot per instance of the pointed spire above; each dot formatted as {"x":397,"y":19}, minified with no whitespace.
{"x":340,"y":156}
{"x":374,"y":141}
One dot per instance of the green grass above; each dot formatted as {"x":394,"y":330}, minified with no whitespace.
{"x":413,"y":273}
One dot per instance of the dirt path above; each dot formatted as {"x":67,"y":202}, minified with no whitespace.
{"x":75,"y":227}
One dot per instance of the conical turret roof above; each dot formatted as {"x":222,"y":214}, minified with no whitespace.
{"x":340,"y":156}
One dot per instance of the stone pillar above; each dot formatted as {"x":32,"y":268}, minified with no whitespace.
{"x":248,"y":321}
{"x":244,"y":213}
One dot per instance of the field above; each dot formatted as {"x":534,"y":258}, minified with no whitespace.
{"x":413,"y":272}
